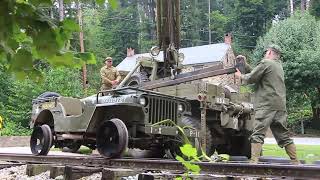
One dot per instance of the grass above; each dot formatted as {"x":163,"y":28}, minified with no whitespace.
{"x":309,"y":153}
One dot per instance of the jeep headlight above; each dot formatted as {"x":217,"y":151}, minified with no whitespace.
{"x":181,"y":57}
{"x":143,"y":101}
{"x":180,"y":107}
{"x":155,"y":50}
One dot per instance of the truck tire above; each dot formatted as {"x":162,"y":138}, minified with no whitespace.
{"x":195,"y":123}
{"x":174,"y":148}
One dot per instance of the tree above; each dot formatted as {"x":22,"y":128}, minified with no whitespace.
{"x":299,"y":38}
{"x":315,"y":8}
{"x":28,"y":35}
{"x":219,"y":23}
{"x":113,"y":31}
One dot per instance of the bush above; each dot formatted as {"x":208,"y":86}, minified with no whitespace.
{"x":12,"y":128}
{"x":15,"y":106}
{"x":295,"y":118}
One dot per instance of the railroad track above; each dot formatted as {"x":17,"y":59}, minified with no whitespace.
{"x":227,"y":169}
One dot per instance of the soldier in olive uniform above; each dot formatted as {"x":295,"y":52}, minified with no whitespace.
{"x":110,"y":76}
{"x":269,"y":103}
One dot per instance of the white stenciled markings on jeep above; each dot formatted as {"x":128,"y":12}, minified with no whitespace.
{"x":114,"y":100}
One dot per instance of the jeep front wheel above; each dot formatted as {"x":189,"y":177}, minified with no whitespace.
{"x":112,"y":138}
{"x":41,"y":140}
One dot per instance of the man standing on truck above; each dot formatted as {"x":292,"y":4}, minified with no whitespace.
{"x":269,"y":103}
{"x":110,"y":76}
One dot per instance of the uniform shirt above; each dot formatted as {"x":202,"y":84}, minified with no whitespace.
{"x":270,"y":90}
{"x":107,"y":75}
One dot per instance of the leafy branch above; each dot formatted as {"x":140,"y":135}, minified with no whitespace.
{"x":28,"y":36}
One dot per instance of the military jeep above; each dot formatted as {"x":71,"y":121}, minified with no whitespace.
{"x":110,"y":122}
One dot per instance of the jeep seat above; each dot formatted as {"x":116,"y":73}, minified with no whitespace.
{"x":71,"y":106}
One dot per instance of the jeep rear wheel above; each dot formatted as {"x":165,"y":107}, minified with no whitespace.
{"x":41,"y":140}
{"x":112,"y":138}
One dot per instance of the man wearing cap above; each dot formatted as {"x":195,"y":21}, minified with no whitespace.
{"x":110,"y":76}
{"x":269,"y":103}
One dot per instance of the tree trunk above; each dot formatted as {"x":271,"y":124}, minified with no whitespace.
{"x":303,"y":6}
{"x":84,"y":68}
{"x":61,"y":10}
{"x":316,"y":112}
{"x":316,"y":119}
{"x":291,"y":7}
{"x":307,"y":4}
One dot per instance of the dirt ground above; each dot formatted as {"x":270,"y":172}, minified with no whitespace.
{"x":14,"y":141}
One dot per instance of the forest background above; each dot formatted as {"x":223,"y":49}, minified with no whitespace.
{"x":27,"y":67}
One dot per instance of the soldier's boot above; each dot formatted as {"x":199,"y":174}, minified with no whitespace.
{"x":255,"y":152}
{"x":291,"y":151}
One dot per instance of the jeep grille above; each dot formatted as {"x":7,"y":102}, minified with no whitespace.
{"x":161,"y":109}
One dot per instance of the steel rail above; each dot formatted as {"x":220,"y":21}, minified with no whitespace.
{"x":229,"y":169}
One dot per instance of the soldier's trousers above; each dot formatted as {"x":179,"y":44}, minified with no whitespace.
{"x":277,"y":121}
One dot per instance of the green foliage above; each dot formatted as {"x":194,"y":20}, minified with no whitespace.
{"x":250,"y":19}
{"x":12,"y":128}
{"x":193,"y":24}
{"x":16,"y":99}
{"x":315,"y":8}
{"x":30,"y":35}
{"x":192,"y":156}
{"x":219,"y":23}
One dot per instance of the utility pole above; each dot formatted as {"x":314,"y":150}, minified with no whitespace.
{"x":209,"y":30}
{"x":84,"y":68}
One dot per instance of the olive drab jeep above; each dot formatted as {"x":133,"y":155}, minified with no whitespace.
{"x":111,"y":121}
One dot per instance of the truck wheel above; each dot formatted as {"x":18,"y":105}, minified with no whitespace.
{"x":112,"y":138}
{"x":194,"y":123}
{"x":41,"y":140}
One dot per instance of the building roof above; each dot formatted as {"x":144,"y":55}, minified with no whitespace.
{"x":193,"y":56}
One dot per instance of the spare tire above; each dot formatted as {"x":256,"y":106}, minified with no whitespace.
{"x":49,"y":94}
{"x":136,"y":79}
